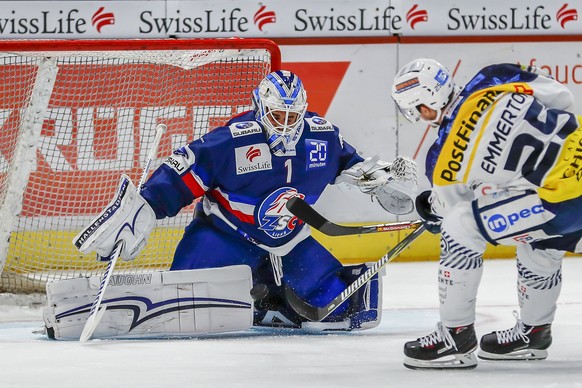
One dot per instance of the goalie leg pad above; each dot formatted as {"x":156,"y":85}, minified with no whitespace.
{"x":153,"y":305}
{"x":366,"y":303}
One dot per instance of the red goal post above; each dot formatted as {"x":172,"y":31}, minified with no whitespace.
{"x":75,"y":115}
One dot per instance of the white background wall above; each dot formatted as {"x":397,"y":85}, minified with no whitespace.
{"x":368,"y":118}
{"x":362,"y":106}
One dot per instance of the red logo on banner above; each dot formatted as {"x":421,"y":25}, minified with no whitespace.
{"x":416,"y":15}
{"x":101,"y":18}
{"x":565,"y":15}
{"x":263,"y":17}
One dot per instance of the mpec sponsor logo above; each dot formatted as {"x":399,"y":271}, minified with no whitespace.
{"x":499,"y":222}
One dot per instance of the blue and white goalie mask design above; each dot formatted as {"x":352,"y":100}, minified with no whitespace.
{"x":280,"y":103}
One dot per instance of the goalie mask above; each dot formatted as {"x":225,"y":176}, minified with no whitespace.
{"x":422,"y":82}
{"x":280,"y":103}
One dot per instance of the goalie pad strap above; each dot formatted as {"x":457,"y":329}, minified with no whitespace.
{"x":154,"y":304}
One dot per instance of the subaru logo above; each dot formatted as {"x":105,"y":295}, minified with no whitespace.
{"x":244,"y":125}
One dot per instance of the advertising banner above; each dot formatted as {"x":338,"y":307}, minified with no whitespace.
{"x":279,"y":18}
{"x":348,"y":77}
{"x":361,"y":77}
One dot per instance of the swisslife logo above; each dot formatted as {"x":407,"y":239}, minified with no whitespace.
{"x":416,"y":15}
{"x":566,"y":15}
{"x":60,"y":21}
{"x":264,"y":16}
{"x":252,"y":158}
{"x":189,"y":19}
{"x":102,"y":18}
{"x":530,"y":18}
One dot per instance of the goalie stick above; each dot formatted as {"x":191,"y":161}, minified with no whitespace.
{"x":314,"y":313}
{"x":304,"y":211}
{"x":96,"y":313}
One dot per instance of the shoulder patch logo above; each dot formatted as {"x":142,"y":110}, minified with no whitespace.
{"x":316,"y":152}
{"x":181,"y":160}
{"x":319,"y":124}
{"x":252,"y":158}
{"x":244,"y":128}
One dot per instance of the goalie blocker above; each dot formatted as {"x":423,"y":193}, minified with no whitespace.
{"x":190,"y":303}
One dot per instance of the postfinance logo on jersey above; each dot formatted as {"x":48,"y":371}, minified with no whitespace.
{"x":452,"y":157}
{"x":252,"y":158}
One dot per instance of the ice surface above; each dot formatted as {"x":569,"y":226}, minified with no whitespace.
{"x":279,"y":358}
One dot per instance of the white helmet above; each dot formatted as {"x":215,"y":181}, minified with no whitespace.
{"x":280,"y":91}
{"x":422,"y":82}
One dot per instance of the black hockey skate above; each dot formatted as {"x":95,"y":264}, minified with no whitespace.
{"x":521,"y":342}
{"x":445,"y":348}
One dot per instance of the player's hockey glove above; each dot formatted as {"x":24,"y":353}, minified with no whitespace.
{"x":394,"y":184}
{"x":128,"y":219}
{"x":431,"y":221}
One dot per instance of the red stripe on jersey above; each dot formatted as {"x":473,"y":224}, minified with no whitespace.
{"x":194,"y":187}
{"x":237,"y":213}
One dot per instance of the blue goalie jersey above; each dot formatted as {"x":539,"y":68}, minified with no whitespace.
{"x":244,"y":184}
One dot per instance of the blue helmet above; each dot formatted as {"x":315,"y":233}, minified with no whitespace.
{"x":280,"y":103}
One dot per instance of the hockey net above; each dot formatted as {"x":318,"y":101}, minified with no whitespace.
{"x":75,"y":115}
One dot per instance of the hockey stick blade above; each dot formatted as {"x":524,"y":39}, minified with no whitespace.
{"x":314,"y":313}
{"x":307,"y":213}
{"x":96,"y":312}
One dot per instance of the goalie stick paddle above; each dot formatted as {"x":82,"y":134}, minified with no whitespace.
{"x":314,"y":313}
{"x":304,"y":211}
{"x":96,"y":312}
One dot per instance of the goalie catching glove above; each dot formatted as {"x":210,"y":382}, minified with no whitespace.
{"x":394,"y":184}
{"x":128,"y":219}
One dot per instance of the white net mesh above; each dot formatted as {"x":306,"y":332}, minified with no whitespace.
{"x":97,"y":123}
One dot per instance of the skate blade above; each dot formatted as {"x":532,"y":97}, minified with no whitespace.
{"x":520,"y":355}
{"x":454,"y":361}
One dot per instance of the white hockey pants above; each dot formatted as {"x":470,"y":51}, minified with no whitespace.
{"x":461,"y":268}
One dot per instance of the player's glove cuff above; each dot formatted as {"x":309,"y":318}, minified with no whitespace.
{"x":431,"y":221}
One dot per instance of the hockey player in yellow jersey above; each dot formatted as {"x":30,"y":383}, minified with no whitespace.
{"x":506,"y":168}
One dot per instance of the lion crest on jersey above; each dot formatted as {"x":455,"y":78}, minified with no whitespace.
{"x":272,"y":214}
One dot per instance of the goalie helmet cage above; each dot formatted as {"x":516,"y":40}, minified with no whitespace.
{"x":75,"y":115}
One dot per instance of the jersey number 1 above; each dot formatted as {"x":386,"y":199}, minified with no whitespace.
{"x":289,"y":167}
